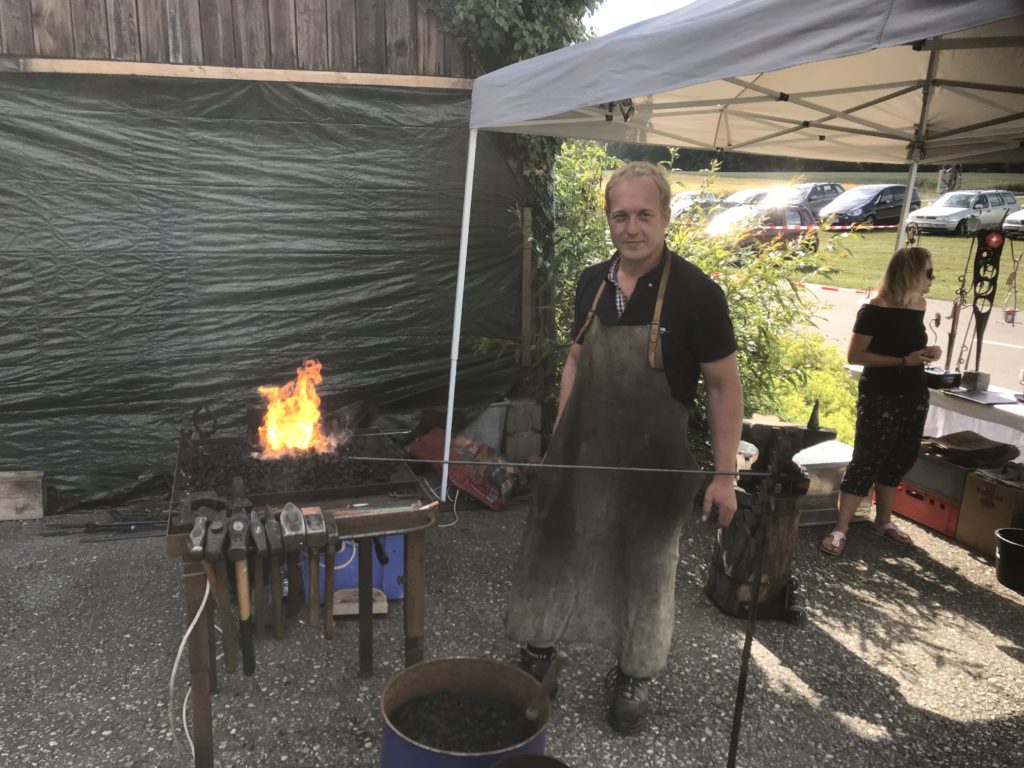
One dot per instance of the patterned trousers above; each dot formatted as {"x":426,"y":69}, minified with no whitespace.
{"x":889,"y":430}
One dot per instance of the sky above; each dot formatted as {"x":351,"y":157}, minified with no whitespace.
{"x":615,"y":14}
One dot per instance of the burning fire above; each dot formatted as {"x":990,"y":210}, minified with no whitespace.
{"x":292,"y":421}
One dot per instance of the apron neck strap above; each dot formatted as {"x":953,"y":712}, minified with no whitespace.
{"x":652,"y":344}
{"x":590,"y":314}
{"x":652,"y":341}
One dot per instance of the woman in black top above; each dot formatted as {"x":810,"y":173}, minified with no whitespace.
{"x":889,"y":340}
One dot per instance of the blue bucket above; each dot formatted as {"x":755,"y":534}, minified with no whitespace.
{"x":480,"y":677}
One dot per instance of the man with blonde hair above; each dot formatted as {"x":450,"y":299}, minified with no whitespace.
{"x":599,"y":553}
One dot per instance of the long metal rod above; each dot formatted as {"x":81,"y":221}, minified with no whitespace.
{"x":755,"y":597}
{"x":460,"y":286}
{"x":707,"y":472}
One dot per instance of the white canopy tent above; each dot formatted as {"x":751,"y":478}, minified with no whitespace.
{"x":898,"y":81}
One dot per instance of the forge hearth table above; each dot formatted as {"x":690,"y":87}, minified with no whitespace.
{"x":362,"y":512}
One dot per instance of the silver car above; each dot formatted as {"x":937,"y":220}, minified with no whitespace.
{"x":965,"y":210}
{"x":1013,"y":226}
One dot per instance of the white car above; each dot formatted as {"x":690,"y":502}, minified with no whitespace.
{"x":692,"y":201}
{"x":1013,"y":226}
{"x":964,"y":210}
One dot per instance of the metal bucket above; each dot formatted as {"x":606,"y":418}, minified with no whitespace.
{"x":1010,"y":558}
{"x":457,"y":675}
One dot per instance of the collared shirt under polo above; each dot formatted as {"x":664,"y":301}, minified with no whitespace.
{"x":695,"y":324}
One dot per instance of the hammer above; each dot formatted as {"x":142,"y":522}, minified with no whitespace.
{"x":332,"y":545}
{"x":197,"y":536}
{"x":217,"y":574}
{"x":293,"y":537}
{"x":316,"y":538}
{"x":260,"y":548}
{"x":276,"y":546}
{"x":238,"y":553}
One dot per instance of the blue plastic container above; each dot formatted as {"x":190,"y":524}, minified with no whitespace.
{"x":459,"y":675}
{"x":387,"y":578}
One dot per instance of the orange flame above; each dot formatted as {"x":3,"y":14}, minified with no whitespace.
{"x":292,"y":421}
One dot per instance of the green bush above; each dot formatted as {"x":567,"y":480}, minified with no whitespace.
{"x":780,"y":369}
{"x":821,"y":377}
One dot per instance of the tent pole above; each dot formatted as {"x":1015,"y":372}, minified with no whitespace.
{"x":914,"y":151}
{"x":460,"y":284}
{"x":908,"y":196}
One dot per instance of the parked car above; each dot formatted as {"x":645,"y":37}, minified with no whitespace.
{"x":964,"y":209}
{"x":692,"y":201}
{"x":813,"y":195}
{"x":1013,"y":225}
{"x":745,"y":225}
{"x":870,"y":204}
{"x":745,"y":197}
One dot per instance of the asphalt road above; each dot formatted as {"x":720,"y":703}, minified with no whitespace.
{"x":1002,"y":349}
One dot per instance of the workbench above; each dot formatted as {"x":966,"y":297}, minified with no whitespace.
{"x":361,"y":525}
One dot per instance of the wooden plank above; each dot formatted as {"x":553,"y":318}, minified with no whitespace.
{"x":89,"y":20}
{"x":311,"y":34}
{"x":22,"y":495}
{"x":371,"y":31}
{"x":218,"y":33}
{"x":149,"y":69}
{"x":401,"y":37}
{"x":341,"y":35}
{"x":153,"y":39}
{"x":51,"y":28}
{"x":252,"y":33}
{"x":282,"y":34}
{"x":185,"y":33}
{"x":16,"y":28}
{"x":430,"y":45}
{"x":123,"y":30}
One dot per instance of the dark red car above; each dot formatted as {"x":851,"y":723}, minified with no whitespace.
{"x":745,"y":225}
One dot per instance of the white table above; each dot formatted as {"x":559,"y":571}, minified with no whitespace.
{"x":947,"y":414}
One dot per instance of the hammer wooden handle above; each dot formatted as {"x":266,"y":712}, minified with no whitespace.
{"x":244,"y":619}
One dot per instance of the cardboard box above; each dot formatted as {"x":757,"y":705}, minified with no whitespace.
{"x":987,"y":506}
{"x":22,"y":495}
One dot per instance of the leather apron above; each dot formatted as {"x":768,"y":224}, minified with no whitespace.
{"x":600,"y":548}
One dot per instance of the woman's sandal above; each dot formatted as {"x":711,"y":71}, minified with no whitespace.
{"x":894,"y":534}
{"x":834,"y":543}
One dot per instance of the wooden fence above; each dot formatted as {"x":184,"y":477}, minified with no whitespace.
{"x":373,"y":36}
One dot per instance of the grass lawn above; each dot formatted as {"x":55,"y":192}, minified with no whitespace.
{"x":862,"y":257}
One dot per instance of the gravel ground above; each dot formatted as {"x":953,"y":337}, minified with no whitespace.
{"x":908,"y":658}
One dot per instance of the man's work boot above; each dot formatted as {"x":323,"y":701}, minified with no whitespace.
{"x":629,"y":701}
{"x":536,"y":661}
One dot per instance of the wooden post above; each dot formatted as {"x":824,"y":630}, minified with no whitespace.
{"x":365,"y":607}
{"x":199,"y":664}
{"x":415,"y":592}
{"x":527,"y":298}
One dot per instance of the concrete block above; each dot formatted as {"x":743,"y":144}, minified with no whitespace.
{"x":520,"y":446}
{"x":522,"y":416}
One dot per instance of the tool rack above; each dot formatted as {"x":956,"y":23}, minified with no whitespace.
{"x":379,"y":517}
